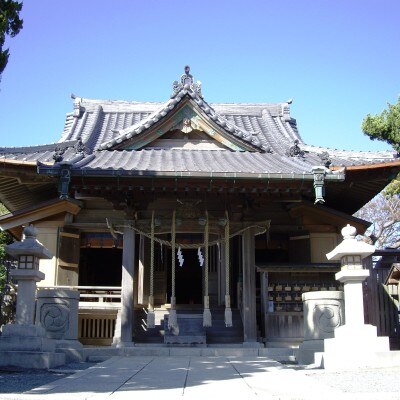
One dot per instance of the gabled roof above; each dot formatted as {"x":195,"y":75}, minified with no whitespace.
{"x":195,"y":108}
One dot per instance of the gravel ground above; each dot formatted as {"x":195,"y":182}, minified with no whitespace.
{"x":365,"y":381}
{"x":18,"y":380}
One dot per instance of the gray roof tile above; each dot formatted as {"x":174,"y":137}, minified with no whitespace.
{"x":154,"y":161}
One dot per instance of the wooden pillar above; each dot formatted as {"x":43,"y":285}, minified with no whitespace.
{"x":221,"y":274}
{"x":249,"y":287}
{"x":128,"y":264}
{"x":140,"y":276}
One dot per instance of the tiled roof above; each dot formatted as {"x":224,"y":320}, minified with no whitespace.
{"x":101,"y":125}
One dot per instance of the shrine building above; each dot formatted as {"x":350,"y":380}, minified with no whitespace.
{"x":188,"y":222}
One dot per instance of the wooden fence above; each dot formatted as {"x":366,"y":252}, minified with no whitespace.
{"x":381,"y":303}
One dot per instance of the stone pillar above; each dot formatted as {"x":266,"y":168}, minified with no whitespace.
{"x":25,"y":312}
{"x":249,"y":288}
{"x":127,"y":300}
{"x":323,"y":313}
{"x":353,"y":293}
{"x":355,"y":345}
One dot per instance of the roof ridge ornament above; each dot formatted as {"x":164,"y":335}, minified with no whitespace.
{"x":325,"y":158}
{"x":187,"y":82}
{"x":59,"y":153}
{"x":295,"y":150}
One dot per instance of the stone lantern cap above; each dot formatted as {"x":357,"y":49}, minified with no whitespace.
{"x":29,"y":246}
{"x":350,"y":246}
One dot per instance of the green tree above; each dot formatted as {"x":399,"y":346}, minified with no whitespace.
{"x":10,"y":24}
{"x":3,"y":209}
{"x":5,"y":238}
{"x":386,"y":127}
{"x":7,"y":300}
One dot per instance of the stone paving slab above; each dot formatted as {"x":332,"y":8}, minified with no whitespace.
{"x":191,"y":377}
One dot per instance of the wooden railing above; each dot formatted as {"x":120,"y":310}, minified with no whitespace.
{"x":93,"y":294}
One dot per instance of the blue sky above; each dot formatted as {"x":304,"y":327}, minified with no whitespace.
{"x":337,"y":59}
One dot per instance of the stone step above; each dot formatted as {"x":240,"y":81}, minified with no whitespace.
{"x":227,"y":350}
{"x":191,"y":330}
{"x":217,"y":333}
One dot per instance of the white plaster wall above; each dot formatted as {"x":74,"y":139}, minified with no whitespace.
{"x":48,"y":236}
{"x":321,"y":244}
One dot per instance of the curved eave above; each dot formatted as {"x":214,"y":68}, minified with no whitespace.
{"x":370,"y":166}
{"x":202,"y":175}
{"x":362,"y":183}
{"x":21,"y":163}
{"x":21,"y":186}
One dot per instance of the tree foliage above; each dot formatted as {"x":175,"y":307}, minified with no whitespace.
{"x":384,"y":212}
{"x":386,"y":127}
{"x":7,"y":302}
{"x":3,"y":209}
{"x":10,"y":24}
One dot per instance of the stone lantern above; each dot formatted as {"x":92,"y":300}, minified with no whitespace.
{"x":355,"y":345}
{"x":23,"y":343}
{"x":350,"y":253}
{"x":28,"y":252}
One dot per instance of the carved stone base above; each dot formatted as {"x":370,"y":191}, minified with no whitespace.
{"x":323,"y":313}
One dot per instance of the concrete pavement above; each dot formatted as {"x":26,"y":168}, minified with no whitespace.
{"x":144,"y":377}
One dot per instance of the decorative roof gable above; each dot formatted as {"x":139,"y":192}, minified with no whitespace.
{"x":186,"y":110}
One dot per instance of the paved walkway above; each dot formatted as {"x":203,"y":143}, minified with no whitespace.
{"x":205,"y":378}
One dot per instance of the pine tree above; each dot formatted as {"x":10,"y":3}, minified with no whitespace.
{"x":10,"y":24}
{"x":386,"y":127}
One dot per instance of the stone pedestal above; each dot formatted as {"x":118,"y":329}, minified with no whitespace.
{"x":323,"y":313}
{"x":355,"y":345}
{"x":57,"y":313}
{"x":26,"y":345}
